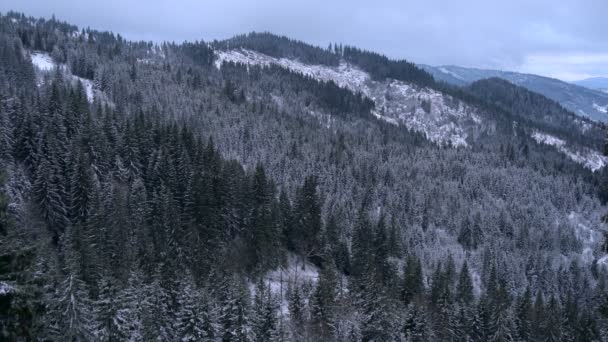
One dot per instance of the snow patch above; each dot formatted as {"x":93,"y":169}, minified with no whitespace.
{"x":586,"y":235}
{"x":88,"y":87}
{"x":344,"y":75}
{"x":451,"y":73}
{"x":601,"y":109}
{"x":43,"y":61}
{"x":589,"y":158}
{"x":441,"y":118}
{"x":548,"y":139}
{"x":5,"y":288}
{"x":297,"y":272}
{"x":603,"y":261}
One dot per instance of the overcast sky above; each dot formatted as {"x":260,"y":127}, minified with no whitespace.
{"x":566,"y":39}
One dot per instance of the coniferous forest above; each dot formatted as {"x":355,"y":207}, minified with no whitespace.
{"x":148,"y":195}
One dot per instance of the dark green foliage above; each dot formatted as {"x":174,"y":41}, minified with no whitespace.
{"x":534,"y":109}
{"x":199,"y":51}
{"x":122,"y":219}
{"x":464,"y":291}
{"x":413,"y":287}
{"x":381,"y":67}
{"x":307,"y":219}
{"x":280,"y":47}
{"x":323,"y":304}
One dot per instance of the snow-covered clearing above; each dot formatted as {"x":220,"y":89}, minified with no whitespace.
{"x":298,"y":272}
{"x":590,"y":159}
{"x":440,"y":117}
{"x":44,"y":63}
{"x":602,"y":109}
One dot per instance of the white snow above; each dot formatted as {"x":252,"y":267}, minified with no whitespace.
{"x":602,"y":109}
{"x":43,"y":61}
{"x":397,"y":102}
{"x":88,"y":87}
{"x":603,"y":261}
{"x":588,"y":236}
{"x":593,"y":160}
{"x":548,"y":139}
{"x":5,"y":288}
{"x":344,"y":75}
{"x":451,"y":73}
{"x":297,"y":272}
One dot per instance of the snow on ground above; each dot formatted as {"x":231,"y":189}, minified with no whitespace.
{"x":548,"y":139}
{"x":453,"y":74}
{"x":43,"y":62}
{"x":603,"y":261}
{"x":5,"y":288}
{"x":88,"y":87}
{"x":593,"y":160}
{"x":440,"y":117}
{"x":588,"y":236}
{"x":298,"y":272}
{"x":344,"y":75}
{"x":602,"y":109}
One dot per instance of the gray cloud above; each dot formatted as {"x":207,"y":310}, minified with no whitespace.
{"x":565,"y":38}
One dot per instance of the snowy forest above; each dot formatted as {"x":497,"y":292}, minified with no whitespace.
{"x":155,"y":192}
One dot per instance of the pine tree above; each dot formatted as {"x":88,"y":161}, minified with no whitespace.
{"x":471,"y":234}
{"x":382,"y":268}
{"x":157,"y":313}
{"x":361,"y":248}
{"x":265,"y":323}
{"x":296,"y":305}
{"x":413,"y":286}
{"x":307,"y":219}
{"x":234,"y":317}
{"x":464,"y":292}
{"x":48,"y":191}
{"x":538,"y":317}
{"x":417,"y":327}
{"x":128,"y":317}
{"x":323,"y":301}
{"x":524,"y":316}
{"x":70,"y":308}
{"x":552,"y":322}
{"x":189,"y":324}
{"x":265,"y":235}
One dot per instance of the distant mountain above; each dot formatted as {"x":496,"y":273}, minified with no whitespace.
{"x":582,"y":101}
{"x":598,"y":83}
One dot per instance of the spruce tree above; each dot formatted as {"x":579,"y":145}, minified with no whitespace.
{"x":265,"y":325}
{"x":464,"y":291}
{"x":323,"y":301}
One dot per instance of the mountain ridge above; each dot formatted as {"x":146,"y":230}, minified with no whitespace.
{"x":580,"y":100}
{"x":181,"y":192}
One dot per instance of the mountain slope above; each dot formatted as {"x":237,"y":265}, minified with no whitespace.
{"x":598,"y":83}
{"x":441,"y":117}
{"x":580,"y":100}
{"x":260,"y":200}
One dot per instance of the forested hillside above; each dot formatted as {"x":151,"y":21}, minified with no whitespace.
{"x":172,"y":193}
